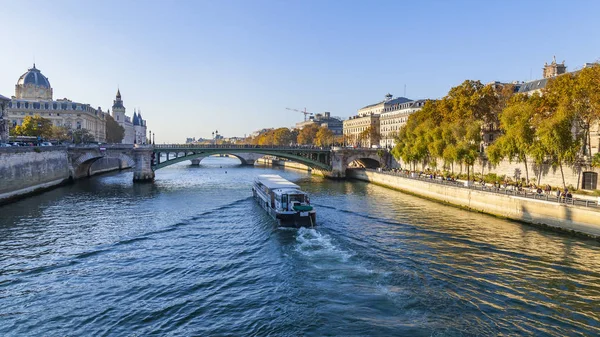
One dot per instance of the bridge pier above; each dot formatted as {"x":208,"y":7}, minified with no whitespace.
{"x":143,"y":172}
{"x":196,"y":162}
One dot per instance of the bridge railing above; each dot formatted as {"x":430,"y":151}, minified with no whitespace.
{"x":498,"y":189}
{"x":241,"y":146}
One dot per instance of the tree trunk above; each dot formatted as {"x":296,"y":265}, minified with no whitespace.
{"x":482,"y":167}
{"x":468,"y":176}
{"x":589,"y":144}
{"x":526,"y":169}
{"x":563,"y":175}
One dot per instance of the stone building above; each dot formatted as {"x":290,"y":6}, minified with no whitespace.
{"x":549,"y":71}
{"x":394,"y":118}
{"x":355,"y":125}
{"x":369,"y":117}
{"x":332,"y":123}
{"x":4,"y":101}
{"x":135,"y":130}
{"x":554,"y":69}
{"x":33,"y":96}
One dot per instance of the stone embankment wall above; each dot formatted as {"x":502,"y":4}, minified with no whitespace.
{"x":26,"y":170}
{"x":543,"y":175}
{"x":563,"y":216}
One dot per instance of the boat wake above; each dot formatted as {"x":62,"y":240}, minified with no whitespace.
{"x":311,"y":243}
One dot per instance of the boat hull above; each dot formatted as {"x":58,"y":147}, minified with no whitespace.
{"x":289,"y":219}
{"x":296,"y":220}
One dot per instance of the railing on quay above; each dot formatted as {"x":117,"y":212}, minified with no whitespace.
{"x":509,"y":190}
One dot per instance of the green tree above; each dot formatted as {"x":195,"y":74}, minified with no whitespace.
{"x":114,"y":131}
{"x":324,"y":137}
{"x":555,"y":139}
{"x":61,"y":133}
{"x":82,"y":136}
{"x":34,"y":126}
{"x":518,"y":132}
{"x":585,"y":102}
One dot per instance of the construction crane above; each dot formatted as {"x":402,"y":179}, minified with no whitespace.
{"x":306,"y":113}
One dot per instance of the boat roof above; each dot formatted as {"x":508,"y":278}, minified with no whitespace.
{"x":273,"y":181}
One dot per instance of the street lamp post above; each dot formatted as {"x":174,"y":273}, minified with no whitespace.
{"x":153,"y":139}
{"x":39,"y":137}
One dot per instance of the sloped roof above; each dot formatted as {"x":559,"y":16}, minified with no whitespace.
{"x":273,"y":181}
{"x":533,"y":85}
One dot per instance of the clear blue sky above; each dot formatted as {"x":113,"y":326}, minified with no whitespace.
{"x":234,"y":66}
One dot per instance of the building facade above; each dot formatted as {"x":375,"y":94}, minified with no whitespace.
{"x":332,"y":123}
{"x":394,"y":118}
{"x":33,"y":96}
{"x":369,"y":117}
{"x":135,"y":129}
{"x":356,"y":125}
{"x":4,"y":101}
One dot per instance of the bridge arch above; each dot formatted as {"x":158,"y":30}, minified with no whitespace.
{"x":366,"y":160}
{"x":244,"y":158}
{"x":296,"y":157}
{"x":82,"y":166}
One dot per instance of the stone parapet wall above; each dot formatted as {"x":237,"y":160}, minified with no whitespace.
{"x":559,"y":215}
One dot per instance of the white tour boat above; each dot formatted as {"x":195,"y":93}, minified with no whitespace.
{"x":284,"y":201}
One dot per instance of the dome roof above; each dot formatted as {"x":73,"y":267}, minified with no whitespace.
{"x":35,"y":77}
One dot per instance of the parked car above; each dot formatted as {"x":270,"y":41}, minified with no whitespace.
{"x":45,"y":144}
{"x":5,"y":145}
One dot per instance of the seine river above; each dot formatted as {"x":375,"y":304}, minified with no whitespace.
{"x":194,"y":255}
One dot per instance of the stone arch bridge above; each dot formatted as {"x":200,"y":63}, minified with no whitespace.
{"x":145,"y":159}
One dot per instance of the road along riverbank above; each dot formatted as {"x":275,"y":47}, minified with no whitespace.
{"x":564,"y":216}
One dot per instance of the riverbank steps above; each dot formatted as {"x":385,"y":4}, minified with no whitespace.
{"x":571,"y":218}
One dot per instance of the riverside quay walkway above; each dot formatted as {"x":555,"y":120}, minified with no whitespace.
{"x":509,"y":190}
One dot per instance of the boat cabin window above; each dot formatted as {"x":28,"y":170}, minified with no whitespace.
{"x":296,"y":197}
{"x":284,"y":201}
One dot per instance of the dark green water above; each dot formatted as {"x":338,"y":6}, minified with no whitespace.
{"x":193,"y":255}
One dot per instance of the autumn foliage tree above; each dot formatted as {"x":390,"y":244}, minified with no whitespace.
{"x":34,"y":126}
{"x":280,"y":136}
{"x":307,"y":135}
{"x":449,"y":130}
{"x":324,"y":137}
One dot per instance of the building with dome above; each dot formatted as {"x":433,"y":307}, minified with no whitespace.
{"x":135,"y":129}
{"x":34,"y":96}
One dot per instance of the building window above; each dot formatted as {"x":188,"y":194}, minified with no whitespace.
{"x":590,"y":180}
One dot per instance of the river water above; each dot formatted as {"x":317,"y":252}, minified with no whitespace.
{"x":194,"y":255}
